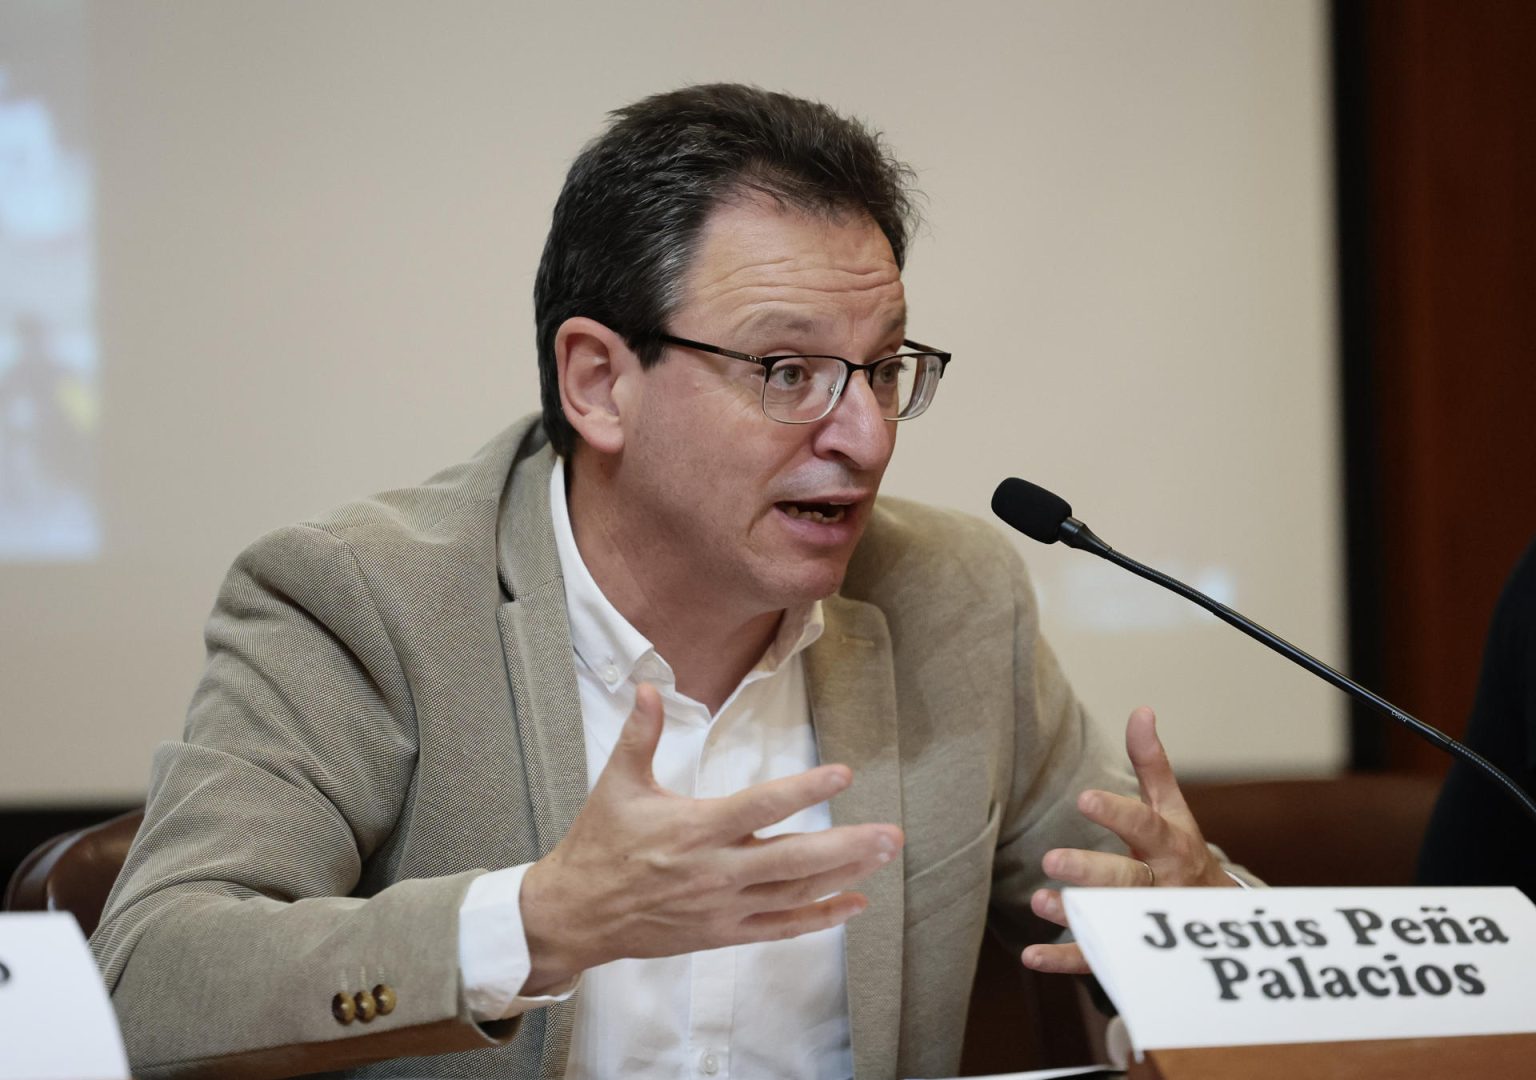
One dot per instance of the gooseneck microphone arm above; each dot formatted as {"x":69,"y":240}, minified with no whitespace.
{"x":1047,"y":518}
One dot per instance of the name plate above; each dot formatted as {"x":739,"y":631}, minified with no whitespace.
{"x":1242,"y":967}
{"x":56,"y":1021}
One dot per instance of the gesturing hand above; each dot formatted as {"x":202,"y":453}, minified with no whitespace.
{"x":1166,"y":847}
{"x":646,"y":872}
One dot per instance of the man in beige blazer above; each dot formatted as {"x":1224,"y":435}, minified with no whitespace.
{"x":391,"y":705}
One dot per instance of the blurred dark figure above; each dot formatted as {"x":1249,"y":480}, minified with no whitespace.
{"x":1478,"y":835}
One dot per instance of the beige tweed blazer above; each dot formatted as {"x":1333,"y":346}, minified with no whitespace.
{"x":389,"y":708}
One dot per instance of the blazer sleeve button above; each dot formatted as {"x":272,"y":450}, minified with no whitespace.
{"x":343,"y":1009}
{"x":384,"y":996}
{"x":367,"y":1008}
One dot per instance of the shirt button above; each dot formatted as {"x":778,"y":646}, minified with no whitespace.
{"x":709,"y":1064}
{"x":610,"y":674}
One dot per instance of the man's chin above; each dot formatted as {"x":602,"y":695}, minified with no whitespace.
{"x":796,"y":575}
{"x":817,"y":583}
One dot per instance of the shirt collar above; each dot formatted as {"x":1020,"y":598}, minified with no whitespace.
{"x":614,"y":650}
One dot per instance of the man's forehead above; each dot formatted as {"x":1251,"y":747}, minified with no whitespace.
{"x":777,"y":268}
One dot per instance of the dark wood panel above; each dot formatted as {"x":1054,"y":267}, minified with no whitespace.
{"x":1449,"y":234}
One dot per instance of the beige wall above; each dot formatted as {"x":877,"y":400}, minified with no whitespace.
{"x":318,"y":230}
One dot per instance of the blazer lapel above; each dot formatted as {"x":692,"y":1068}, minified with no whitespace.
{"x":536,"y":639}
{"x":852,"y":687}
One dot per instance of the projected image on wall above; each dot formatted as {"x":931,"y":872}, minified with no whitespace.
{"x":49,"y":399}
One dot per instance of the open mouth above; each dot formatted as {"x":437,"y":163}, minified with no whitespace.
{"x":825,"y":513}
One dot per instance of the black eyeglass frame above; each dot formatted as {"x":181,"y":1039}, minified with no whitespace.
{"x":767,"y":363}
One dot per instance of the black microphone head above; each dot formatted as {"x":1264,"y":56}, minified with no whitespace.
{"x":1031,"y":509}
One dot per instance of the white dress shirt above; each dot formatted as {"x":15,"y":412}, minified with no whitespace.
{"x":773,"y":1009}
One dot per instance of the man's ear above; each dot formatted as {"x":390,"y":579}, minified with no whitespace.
{"x":590,"y":359}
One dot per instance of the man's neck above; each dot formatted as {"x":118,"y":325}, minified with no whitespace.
{"x":709,"y":646}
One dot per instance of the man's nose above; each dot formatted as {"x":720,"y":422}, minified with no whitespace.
{"x":856,"y":428}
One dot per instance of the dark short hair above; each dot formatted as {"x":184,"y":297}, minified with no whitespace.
{"x":636,"y":198}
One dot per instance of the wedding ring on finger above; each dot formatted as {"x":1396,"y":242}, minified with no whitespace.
{"x":1151,"y":877}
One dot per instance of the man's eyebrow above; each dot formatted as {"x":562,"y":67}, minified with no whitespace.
{"x":769,"y":321}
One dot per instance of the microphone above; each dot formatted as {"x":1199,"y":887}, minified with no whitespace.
{"x":1047,"y":517}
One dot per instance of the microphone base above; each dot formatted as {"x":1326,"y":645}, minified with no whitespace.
{"x":1075,"y":534}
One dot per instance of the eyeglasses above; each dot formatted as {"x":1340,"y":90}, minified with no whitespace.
{"x":803,"y":389}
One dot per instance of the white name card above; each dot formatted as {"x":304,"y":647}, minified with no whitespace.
{"x":1242,"y":967}
{"x":56,"y":1021}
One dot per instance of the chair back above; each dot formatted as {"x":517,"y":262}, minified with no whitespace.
{"x":1356,"y":829}
{"x":74,"y":871}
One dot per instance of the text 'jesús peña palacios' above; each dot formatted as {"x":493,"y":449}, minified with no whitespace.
{"x":1267,"y":956}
